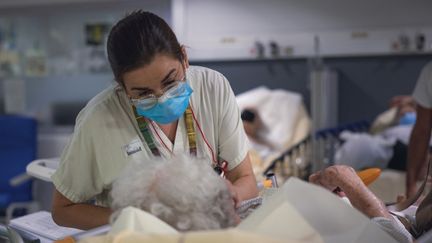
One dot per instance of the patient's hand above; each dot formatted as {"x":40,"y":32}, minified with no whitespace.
{"x":334,"y":177}
{"x":346,"y":179}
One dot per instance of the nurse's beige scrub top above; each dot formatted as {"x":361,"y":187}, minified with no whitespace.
{"x":107,"y":136}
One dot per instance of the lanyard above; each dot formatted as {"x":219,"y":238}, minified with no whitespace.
{"x":145,"y":131}
{"x":220,"y":168}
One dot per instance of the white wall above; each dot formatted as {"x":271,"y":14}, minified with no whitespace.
{"x":216,"y":29}
{"x":59,"y":30}
{"x":229,"y":28}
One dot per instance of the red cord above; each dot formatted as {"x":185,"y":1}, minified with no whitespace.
{"x":205,"y":140}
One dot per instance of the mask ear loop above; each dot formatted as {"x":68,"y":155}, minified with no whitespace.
{"x":221,"y":167}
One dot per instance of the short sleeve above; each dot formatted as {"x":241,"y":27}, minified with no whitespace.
{"x":423,"y":90}
{"x":233,"y":142}
{"x":78,"y":178}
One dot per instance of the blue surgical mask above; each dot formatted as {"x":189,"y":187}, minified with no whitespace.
{"x":169,"y":107}
{"x":408,"y":118}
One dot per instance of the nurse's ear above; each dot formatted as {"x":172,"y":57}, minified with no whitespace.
{"x":185,"y":57}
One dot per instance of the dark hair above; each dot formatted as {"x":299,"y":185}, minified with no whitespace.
{"x":248,"y":115}
{"x":135,"y":40}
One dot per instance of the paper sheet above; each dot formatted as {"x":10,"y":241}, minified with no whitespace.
{"x":41,"y":223}
{"x":134,"y":219}
{"x":309,"y":210}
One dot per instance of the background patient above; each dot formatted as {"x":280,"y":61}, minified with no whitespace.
{"x":184,"y":192}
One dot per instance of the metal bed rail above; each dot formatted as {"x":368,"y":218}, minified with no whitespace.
{"x":297,"y":160}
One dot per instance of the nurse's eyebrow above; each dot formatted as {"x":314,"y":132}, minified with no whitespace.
{"x":163,"y":80}
{"x":168,"y":75}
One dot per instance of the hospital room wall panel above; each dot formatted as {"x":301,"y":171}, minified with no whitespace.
{"x":230,"y":29}
{"x":365,"y":83}
{"x":275,"y":74}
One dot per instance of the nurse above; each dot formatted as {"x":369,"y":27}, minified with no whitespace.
{"x":158,"y":107}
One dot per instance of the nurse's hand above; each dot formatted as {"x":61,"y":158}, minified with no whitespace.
{"x":233,"y":192}
{"x":77,"y":215}
{"x":243,"y":184}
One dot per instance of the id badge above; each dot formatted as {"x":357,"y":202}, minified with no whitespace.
{"x":132,"y":148}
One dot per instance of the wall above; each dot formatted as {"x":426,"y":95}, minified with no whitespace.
{"x":365,"y":83}
{"x":228,"y":29}
{"x":356,"y":37}
{"x":59,"y":30}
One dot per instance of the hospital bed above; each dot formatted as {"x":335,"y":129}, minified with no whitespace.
{"x":297,"y":160}
{"x":284,"y":114}
{"x":289,"y":128}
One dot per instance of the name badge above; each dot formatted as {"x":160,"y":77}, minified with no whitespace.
{"x":134,"y":147}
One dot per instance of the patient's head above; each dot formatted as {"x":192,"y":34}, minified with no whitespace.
{"x":252,"y":122}
{"x":184,"y":192}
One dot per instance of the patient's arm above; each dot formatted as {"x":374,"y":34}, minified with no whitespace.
{"x":78,"y":215}
{"x":346,"y":179}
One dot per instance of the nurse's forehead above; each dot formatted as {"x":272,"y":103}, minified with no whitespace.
{"x":155,"y":71}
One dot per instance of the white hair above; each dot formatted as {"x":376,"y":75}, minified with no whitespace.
{"x":185,"y":192}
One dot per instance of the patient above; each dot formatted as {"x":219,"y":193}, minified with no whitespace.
{"x":188,"y":195}
{"x":386,"y":144}
{"x":401,"y":112}
{"x":257,"y":132}
{"x":184,"y":192}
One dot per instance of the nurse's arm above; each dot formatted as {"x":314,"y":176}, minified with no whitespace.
{"x":418,"y":148}
{"x":243,"y":180}
{"x":78,"y":215}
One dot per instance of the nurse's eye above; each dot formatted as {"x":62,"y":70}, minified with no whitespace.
{"x":145,"y":94}
{"x":169,"y":84}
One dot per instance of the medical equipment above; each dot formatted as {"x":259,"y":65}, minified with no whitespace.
{"x":272,"y":177}
{"x":264,"y":184}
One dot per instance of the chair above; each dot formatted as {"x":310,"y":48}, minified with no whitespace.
{"x":8,"y":234}
{"x":17,"y":149}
